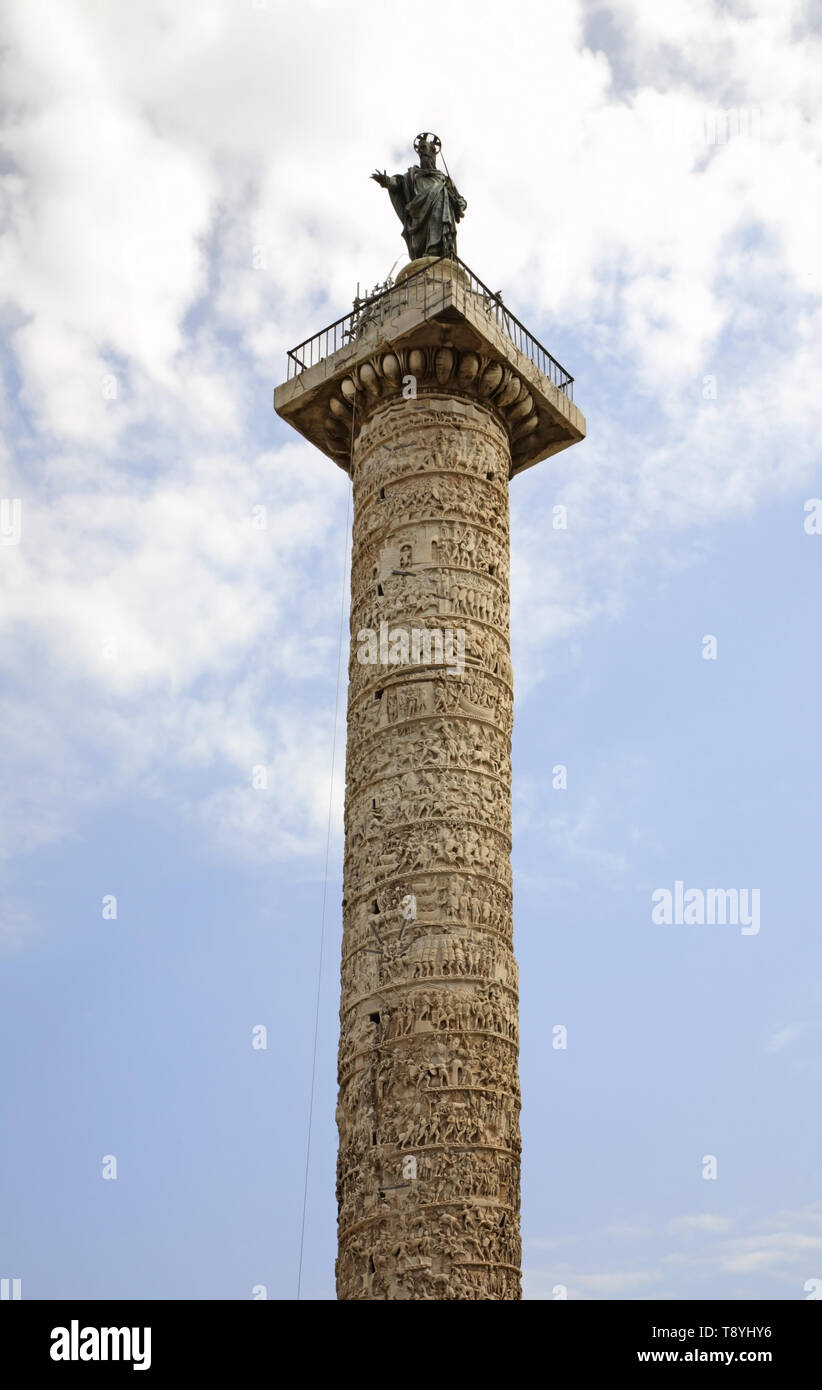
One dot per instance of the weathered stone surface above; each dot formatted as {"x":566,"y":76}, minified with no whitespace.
{"x":428,"y":1110}
{"x":436,"y":329}
{"x":428,"y":1179}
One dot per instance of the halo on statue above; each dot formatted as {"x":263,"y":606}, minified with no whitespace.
{"x":427,"y":137}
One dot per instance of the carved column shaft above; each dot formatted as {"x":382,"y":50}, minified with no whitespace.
{"x":432,"y":405}
{"x":428,"y":1176}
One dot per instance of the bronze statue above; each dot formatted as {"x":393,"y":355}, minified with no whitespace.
{"x":426,"y":202}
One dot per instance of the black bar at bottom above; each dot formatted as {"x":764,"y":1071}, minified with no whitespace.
{"x":210,"y":1338}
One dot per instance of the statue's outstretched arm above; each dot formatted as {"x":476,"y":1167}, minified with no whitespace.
{"x":389,"y":181}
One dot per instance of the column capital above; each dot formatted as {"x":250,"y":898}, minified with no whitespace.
{"x":438,"y":328}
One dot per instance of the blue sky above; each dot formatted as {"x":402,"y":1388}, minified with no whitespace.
{"x":185,"y":197}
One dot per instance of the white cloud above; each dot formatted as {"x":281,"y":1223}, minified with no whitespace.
{"x":703,"y":1221}
{"x":782,"y":1038}
{"x":582,"y":1285}
{"x":148,"y":601}
{"x":153,"y":147}
{"x":784,"y":1247}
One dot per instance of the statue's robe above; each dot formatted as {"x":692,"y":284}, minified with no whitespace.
{"x":429,"y":208}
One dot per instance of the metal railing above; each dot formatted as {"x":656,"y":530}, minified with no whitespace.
{"x":423,"y":289}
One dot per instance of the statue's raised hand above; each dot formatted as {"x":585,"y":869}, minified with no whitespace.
{"x":380,"y":178}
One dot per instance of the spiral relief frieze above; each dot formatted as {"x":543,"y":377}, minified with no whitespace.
{"x":428,"y":1170}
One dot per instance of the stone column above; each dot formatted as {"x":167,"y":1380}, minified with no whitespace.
{"x":432,"y":408}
